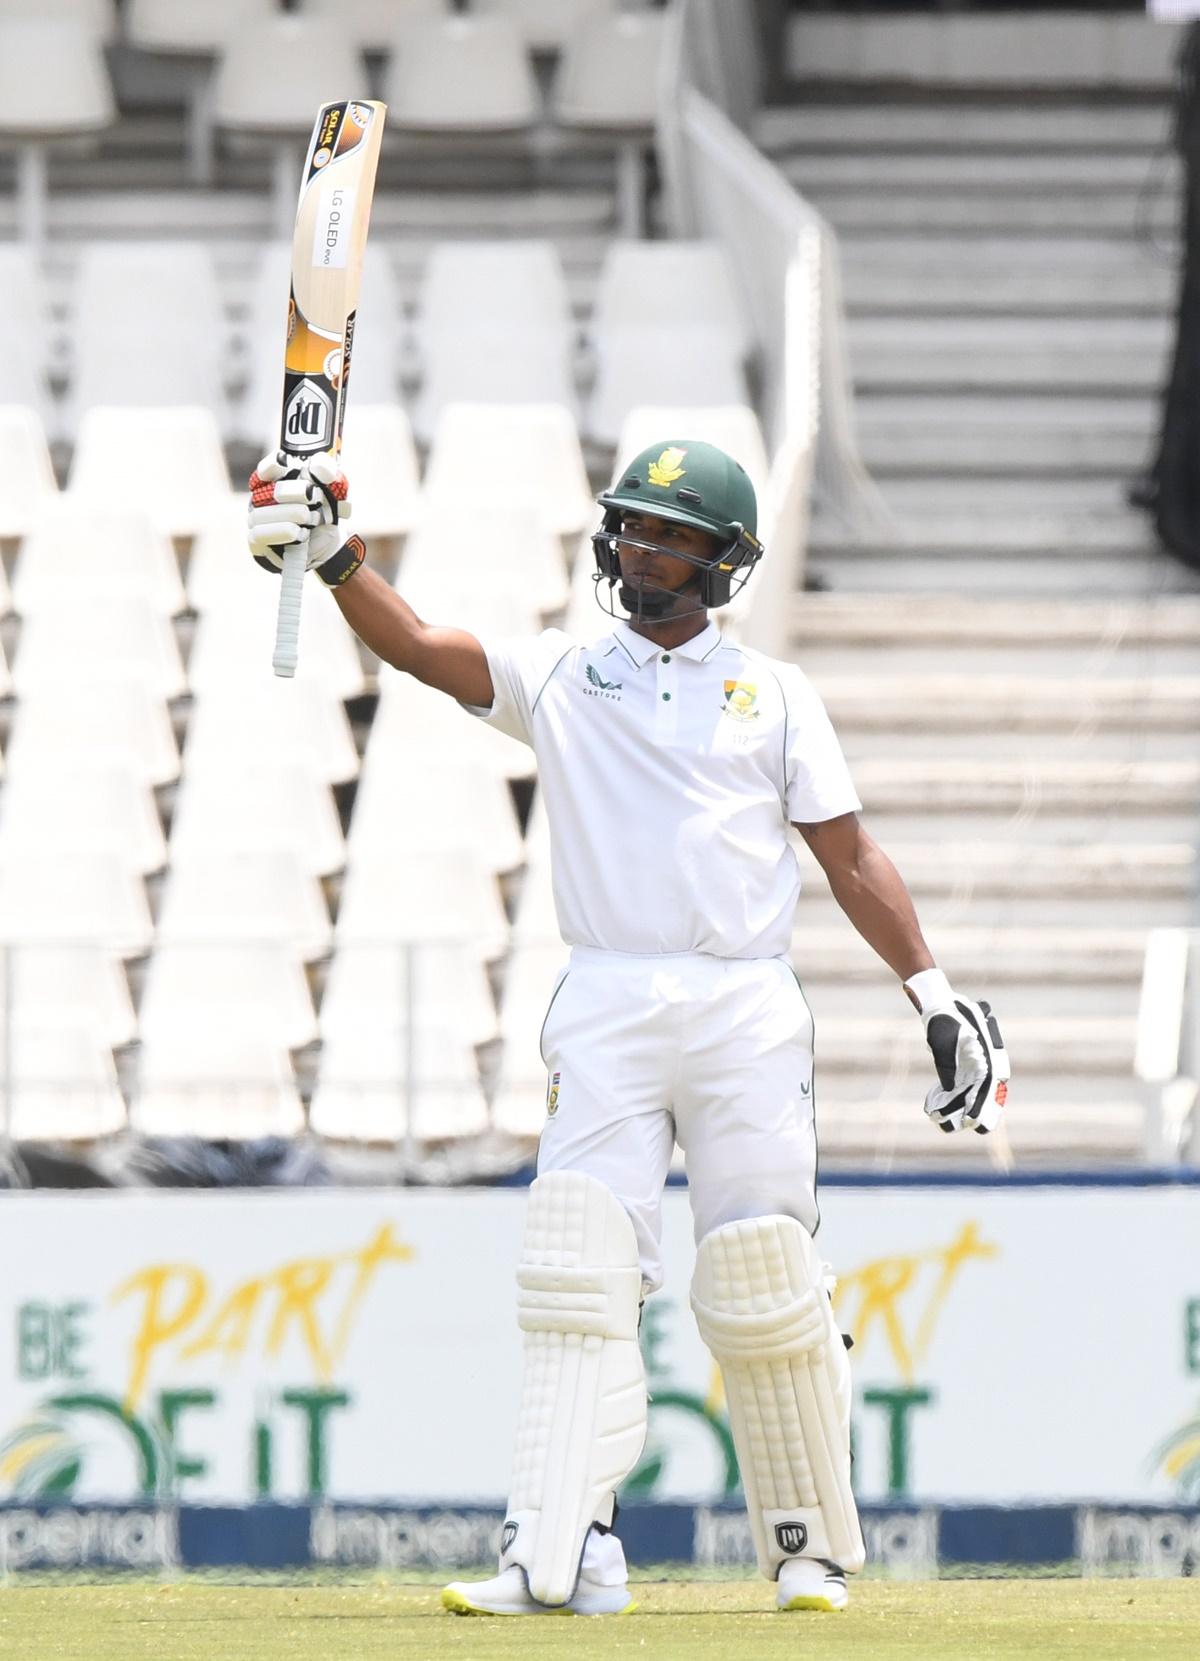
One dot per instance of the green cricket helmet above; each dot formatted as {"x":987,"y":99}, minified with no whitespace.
{"x":687,"y":483}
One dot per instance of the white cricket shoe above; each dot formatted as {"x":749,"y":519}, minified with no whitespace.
{"x":602,"y":1590}
{"x":508,"y":1594}
{"x":808,"y":1583}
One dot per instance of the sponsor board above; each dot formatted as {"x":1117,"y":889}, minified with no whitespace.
{"x":203,"y":1349}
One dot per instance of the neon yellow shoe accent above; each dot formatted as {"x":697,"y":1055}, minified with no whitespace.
{"x":457,"y":1604}
{"x":814,"y":1602}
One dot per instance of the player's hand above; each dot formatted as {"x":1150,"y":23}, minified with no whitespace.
{"x":296,"y":503}
{"x":968,"y":1052}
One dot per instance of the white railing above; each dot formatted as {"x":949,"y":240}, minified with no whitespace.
{"x":1167,"y":1060}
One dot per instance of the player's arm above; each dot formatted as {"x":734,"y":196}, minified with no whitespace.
{"x":871,"y":892}
{"x":304,"y":505}
{"x":964,"y":1037}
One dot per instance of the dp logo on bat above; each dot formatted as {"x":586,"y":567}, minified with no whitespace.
{"x":308,"y":418}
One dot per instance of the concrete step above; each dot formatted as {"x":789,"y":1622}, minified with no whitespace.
{"x":890,"y":126}
{"x":893,"y":622}
{"x":869,"y":1119}
{"x":875,"y":1000}
{"x":996,"y":704}
{"x":1052,"y":171}
{"x":990,"y":434}
{"x":1090,"y":276}
{"x":1030,"y":822}
{"x":1048,"y":786}
{"x":1118,"y":213}
{"x":1127,"y":355}
{"x":1032,"y":573}
{"x":976,"y":958}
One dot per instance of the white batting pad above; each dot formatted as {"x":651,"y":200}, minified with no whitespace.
{"x":582,"y":1422}
{"x":760,"y":1303}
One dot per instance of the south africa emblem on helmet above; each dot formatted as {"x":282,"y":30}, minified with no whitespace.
{"x":741,"y":700}
{"x":552,"y":1095}
{"x":667,"y":469}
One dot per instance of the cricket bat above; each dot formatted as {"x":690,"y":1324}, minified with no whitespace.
{"x":327,"y":254}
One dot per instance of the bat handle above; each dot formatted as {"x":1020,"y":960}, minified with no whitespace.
{"x":287,"y":626}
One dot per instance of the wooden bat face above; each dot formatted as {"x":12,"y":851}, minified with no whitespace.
{"x":327,"y":254}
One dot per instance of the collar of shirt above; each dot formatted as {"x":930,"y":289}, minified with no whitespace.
{"x":642,"y":650}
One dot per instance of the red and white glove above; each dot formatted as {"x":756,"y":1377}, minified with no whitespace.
{"x":968,"y":1052}
{"x":302,"y":502}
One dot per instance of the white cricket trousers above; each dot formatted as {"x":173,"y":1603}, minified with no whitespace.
{"x":714,"y":1053}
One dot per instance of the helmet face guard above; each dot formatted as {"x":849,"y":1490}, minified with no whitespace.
{"x":718,"y":577}
{"x":684,"y":483}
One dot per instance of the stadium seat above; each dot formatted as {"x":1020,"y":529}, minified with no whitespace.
{"x":464,"y":76}
{"x":166,"y":26}
{"x":234,"y":641}
{"x":295,"y":722}
{"x":256,"y":897}
{"x":495,"y":326}
{"x":427,"y":725}
{"x":524,"y":455}
{"x":26,"y":472}
{"x":53,"y":85}
{"x":76,"y":985}
{"x":118,"y":638}
{"x":378,"y":25}
{"x":6,"y":599}
{"x":480,"y":555}
{"x":380,"y":461}
{"x":124,"y":718}
{"x":733,"y":428}
{"x":74,"y":554}
{"x":168,"y":349}
{"x":519,"y":1105}
{"x":667,"y":330}
{"x":215,"y":1082}
{"x":182,"y":476}
{"x":377,"y":341}
{"x":363,"y":1081}
{"x":432,"y":895}
{"x":63,"y":1083}
{"x":260,"y":989}
{"x":97,"y":17}
{"x":24,"y":332}
{"x":545,"y":25}
{"x":51,"y":806}
{"x":85,"y":898}
{"x":258,"y":803}
{"x":5,"y":676}
{"x":449,"y":986}
{"x":414,"y":809}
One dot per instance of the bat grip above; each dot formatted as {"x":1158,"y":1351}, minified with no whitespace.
{"x":287,"y":625}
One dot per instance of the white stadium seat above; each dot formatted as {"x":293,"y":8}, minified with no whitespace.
{"x":256,"y":896}
{"x":97,"y":17}
{"x":526,"y":456}
{"x":464,"y":76}
{"x":54,"y":85}
{"x":448,"y":985}
{"x":117,"y":638}
{"x":409,"y":807}
{"x":462,"y":596}
{"x":428,"y":725}
{"x":182,"y":476}
{"x":259,"y":803}
{"x":75,"y":985}
{"x":261,"y":989}
{"x":490,"y":552}
{"x":545,"y":25}
{"x":363,"y":1080}
{"x":27,"y":479}
{"x":234,"y":641}
{"x":114,"y":718}
{"x":668,"y":286}
{"x":170,"y":348}
{"x":24,"y":332}
{"x":5,"y":677}
{"x":87,"y":897}
{"x":380,"y":460}
{"x":63,"y":1083}
{"x":49,"y":806}
{"x":215,"y":1082}
{"x":168,"y":26}
{"x":424,"y":896}
{"x":377,"y":341}
{"x":494,"y":326}
{"x":74,"y":554}
{"x":608,"y":78}
{"x":295,"y":722}
{"x":313,"y":60}
{"x":377,"y":25}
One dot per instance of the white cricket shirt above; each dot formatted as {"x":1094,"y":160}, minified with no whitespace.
{"x":669,"y":779}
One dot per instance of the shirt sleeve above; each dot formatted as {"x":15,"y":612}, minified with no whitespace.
{"x":520,"y":667}
{"x":819,"y":785}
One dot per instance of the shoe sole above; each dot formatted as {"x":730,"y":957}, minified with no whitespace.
{"x":457,"y":1604}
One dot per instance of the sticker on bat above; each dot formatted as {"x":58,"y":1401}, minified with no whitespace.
{"x":335,"y":216}
{"x":308,"y":419}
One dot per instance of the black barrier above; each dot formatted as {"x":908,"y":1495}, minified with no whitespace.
{"x":903,"y":1541}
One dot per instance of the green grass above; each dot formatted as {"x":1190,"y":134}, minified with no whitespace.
{"x":964,"y":1620}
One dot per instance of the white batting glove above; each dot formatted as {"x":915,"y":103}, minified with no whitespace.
{"x":968,"y":1052}
{"x":296,"y":502}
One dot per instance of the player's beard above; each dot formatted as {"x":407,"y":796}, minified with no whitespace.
{"x":648,"y":603}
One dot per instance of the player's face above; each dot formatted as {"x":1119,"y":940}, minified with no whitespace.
{"x":649,"y":556}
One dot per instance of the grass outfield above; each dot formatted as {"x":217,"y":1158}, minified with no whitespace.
{"x":966,"y":1620}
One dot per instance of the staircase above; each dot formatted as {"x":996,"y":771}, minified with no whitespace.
{"x":1015,"y":670}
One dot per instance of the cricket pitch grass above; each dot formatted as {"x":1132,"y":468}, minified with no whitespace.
{"x":962,"y":1620}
